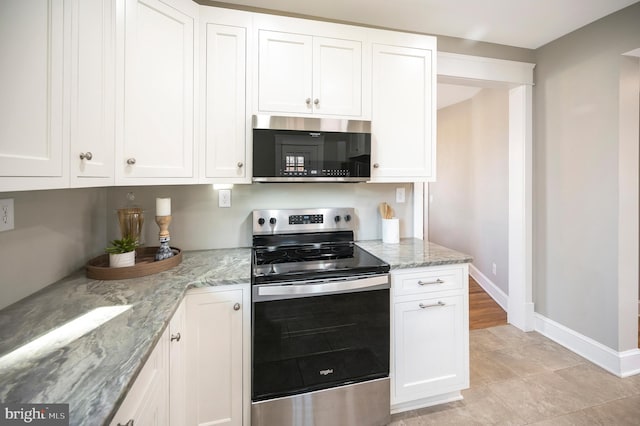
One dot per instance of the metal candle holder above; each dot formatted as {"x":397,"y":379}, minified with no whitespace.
{"x":164,"y":251}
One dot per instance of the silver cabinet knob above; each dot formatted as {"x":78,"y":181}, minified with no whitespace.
{"x":236,"y":307}
{"x":86,"y":155}
{"x":175,"y":337}
{"x":240,"y":164}
{"x":308,"y":101}
{"x":131,"y":161}
{"x":376,"y":165}
{"x":316,"y":101}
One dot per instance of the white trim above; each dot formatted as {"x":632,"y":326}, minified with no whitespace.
{"x":520,"y":237}
{"x":419,"y":212}
{"x":426,"y":402}
{"x":466,"y":67}
{"x":489,"y":286}
{"x":622,"y":364}
{"x":518,"y":77}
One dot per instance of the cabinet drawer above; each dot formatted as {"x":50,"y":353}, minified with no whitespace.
{"x":427,"y":280}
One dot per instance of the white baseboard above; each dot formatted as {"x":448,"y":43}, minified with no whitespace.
{"x":492,"y":290}
{"x":622,"y":364}
{"x":426,"y":402}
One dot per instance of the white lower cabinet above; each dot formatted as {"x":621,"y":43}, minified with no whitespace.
{"x":154,"y":399}
{"x":218,"y":324}
{"x":430,"y":336}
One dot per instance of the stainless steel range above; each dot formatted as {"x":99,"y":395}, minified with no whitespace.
{"x":320,"y":323}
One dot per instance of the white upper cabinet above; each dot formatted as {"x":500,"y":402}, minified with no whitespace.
{"x":403,"y":111}
{"x":92,"y":133}
{"x":303,"y":74}
{"x":156,"y":88}
{"x":225,"y":119}
{"x":33,"y":42}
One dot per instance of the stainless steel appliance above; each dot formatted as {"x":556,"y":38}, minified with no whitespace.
{"x":294,"y":149}
{"x":320,"y":323}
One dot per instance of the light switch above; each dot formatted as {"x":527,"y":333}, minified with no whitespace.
{"x":399,"y":195}
{"x":224,"y":198}
{"x":6,"y":215}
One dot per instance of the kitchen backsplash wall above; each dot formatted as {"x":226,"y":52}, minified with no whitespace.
{"x":55,"y":233}
{"x":198,"y":222}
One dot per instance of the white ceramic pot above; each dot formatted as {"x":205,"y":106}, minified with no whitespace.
{"x":121,"y":260}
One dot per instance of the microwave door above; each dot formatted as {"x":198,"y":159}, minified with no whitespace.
{"x":299,"y":155}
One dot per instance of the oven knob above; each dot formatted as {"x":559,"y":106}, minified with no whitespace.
{"x":261,"y":221}
{"x":347,"y":218}
{"x":272,"y":221}
{"x":336,"y":219}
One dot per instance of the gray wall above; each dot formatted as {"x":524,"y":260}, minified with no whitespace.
{"x":55,"y":233}
{"x":468,"y":208}
{"x":198,"y":222}
{"x":576,"y":175}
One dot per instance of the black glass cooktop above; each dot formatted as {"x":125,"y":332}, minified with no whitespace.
{"x":312,"y":261}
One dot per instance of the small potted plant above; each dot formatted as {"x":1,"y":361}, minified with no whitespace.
{"x":122,"y":252}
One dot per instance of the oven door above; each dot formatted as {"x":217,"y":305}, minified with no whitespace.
{"x":318,"y":335}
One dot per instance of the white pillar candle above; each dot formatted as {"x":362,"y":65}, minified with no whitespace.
{"x":163,"y":206}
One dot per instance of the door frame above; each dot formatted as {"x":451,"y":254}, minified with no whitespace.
{"x":517,"y":77}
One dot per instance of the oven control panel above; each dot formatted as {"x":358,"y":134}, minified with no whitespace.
{"x":303,"y":219}
{"x":270,"y":222}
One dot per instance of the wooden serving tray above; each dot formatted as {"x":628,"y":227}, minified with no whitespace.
{"x":98,"y":267}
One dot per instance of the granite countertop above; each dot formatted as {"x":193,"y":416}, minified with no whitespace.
{"x":414,"y":253}
{"x":102,"y":332}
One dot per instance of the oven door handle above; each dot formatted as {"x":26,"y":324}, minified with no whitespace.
{"x":325,"y":287}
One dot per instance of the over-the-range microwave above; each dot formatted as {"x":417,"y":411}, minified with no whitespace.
{"x":295,"y":149}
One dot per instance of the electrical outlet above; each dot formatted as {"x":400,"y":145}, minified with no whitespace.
{"x":7,"y":217}
{"x":224,"y":198}
{"x":493,"y":268}
{"x":399,"y":195}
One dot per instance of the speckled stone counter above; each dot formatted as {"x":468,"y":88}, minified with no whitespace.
{"x":92,"y":370}
{"x":413,"y":253}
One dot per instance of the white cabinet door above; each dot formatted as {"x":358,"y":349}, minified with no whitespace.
{"x":147,"y":402}
{"x":92,"y":93}
{"x":178,"y":366}
{"x":32,"y":140}
{"x":155,"y":115}
{"x":337,"y":76}
{"x":285,"y":72}
{"x":403,"y":114}
{"x":215,"y":357}
{"x":303,"y":74}
{"x":429,"y":347}
{"x":225,"y":121}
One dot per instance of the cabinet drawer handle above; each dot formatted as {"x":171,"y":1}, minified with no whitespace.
{"x":86,"y":155}
{"x":131,"y":161}
{"x":376,"y":165}
{"x":240,"y":164}
{"x":433,"y":305}
{"x":316,"y":101}
{"x":308,"y":101}
{"x":236,"y":307}
{"x":129,"y":423}
{"x":175,"y":337}
{"x":438,"y":281}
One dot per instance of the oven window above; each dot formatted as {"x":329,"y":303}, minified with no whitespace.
{"x":311,"y":343}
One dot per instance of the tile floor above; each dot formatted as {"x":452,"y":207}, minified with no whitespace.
{"x":522,"y":378}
